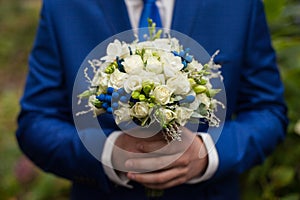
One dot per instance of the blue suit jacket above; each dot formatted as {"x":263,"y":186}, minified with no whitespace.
{"x":69,"y":30}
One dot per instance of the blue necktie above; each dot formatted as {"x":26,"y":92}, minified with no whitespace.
{"x":151,"y":11}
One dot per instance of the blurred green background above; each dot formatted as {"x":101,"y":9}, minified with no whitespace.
{"x":277,"y":178}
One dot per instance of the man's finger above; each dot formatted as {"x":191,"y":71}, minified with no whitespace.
{"x":158,"y":177}
{"x":171,"y":183}
{"x":148,"y":164}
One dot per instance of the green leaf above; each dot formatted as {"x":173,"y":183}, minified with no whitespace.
{"x":85,"y":94}
{"x":212,"y":92}
{"x":282,"y":176}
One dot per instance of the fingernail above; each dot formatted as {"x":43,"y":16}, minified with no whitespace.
{"x":128,"y":163}
{"x":131,"y":176}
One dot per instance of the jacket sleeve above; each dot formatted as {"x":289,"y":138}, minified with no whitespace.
{"x":46,"y":133}
{"x":260,"y":117}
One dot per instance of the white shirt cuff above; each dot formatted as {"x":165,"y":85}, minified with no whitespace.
{"x":213,"y":159}
{"x":106,"y":156}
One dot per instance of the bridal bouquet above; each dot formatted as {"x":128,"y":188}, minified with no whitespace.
{"x":153,"y":81}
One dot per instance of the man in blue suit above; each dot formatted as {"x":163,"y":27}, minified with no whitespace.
{"x":256,"y":113}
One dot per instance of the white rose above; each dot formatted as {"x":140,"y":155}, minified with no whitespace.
{"x":122,"y":114}
{"x":161,"y":78}
{"x":117,"y":79}
{"x":133,"y":83}
{"x":140,"y":110}
{"x":162,"y":94}
{"x":157,"y":79}
{"x":179,"y":83}
{"x":183,"y":114}
{"x":172,"y":64}
{"x":153,"y":65}
{"x":133,"y":64}
{"x":167,"y":115}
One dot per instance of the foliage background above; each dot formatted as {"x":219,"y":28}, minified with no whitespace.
{"x":277,"y":178}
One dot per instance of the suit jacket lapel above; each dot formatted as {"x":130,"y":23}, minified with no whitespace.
{"x":119,"y":20}
{"x":185,"y":14}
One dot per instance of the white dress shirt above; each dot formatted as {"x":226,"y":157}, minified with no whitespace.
{"x":134,"y":8}
{"x":165,"y":7}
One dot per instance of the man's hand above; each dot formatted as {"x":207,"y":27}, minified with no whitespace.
{"x":129,"y":145}
{"x":159,"y":165}
{"x":176,"y":164}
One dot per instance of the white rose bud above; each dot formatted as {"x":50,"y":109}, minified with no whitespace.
{"x":180,"y":84}
{"x":122,"y":114}
{"x":140,"y":110}
{"x":153,"y":65}
{"x":133,"y":64}
{"x":133,"y":83}
{"x":162,"y":94}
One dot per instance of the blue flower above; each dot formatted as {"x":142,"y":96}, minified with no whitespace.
{"x":124,"y":99}
{"x":185,"y":57}
{"x":121,"y":91}
{"x":105,"y":105}
{"x":115,"y":96}
{"x":187,"y":99}
{"x":115,"y":105}
{"x":101,"y":97}
{"x":110,"y":90}
{"x":109,"y":110}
